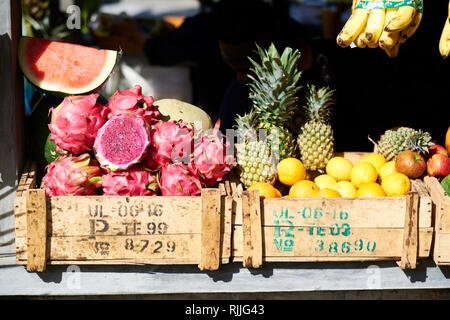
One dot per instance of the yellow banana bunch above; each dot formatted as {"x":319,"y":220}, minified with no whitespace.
{"x":373,"y":24}
{"x":353,"y":27}
{"x":444,"y":42}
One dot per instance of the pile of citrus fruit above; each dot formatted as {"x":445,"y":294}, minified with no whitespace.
{"x":371,"y":176}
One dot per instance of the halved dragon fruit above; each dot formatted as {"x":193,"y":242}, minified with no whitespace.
{"x":75,"y":122}
{"x":72,"y":175}
{"x":132,"y":101}
{"x":179,"y":179}
{"x":135,"y":181}
{"x":212,"y":157}
{"x":122,"y":142}
{"x":170,"y":142}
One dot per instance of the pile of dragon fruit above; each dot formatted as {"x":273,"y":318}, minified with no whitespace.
{"x":123,"y":148}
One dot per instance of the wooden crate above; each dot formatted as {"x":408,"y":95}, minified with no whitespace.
{"x":107,"y":230}
{"x":332,"y":229}
{"x":441,"y":215}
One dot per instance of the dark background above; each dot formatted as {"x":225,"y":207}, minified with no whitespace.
{"x":375,"y":93}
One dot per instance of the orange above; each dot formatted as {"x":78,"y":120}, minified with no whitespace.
{"x":363,"y":172}
{"x":325,"y":181}
{"x":303,"y":189}
{"x":376,"y":159}
{"x":290,"y":171}
{"x":371,"y":189}
{"x":345,"y":188}
{"x":386,"y":169}
{"x":328,"y":193}
{"x":396,"y":184}
{"x":266,"y":190}
{"x":339,"y":168}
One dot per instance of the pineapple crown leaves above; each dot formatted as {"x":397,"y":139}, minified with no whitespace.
{"x":319,"y":102}
{"x":245,"y":126}
{"x":273,"y":85}
{"x":419,"y":141}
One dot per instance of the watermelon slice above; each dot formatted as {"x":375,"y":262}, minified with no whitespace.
{"x":65,"y":68}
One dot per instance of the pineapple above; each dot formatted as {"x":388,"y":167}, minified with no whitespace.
{"x":393,"y":141}
{"x":253,"y":155}
{"x":315,"y":140}
{"x":273,"y":94}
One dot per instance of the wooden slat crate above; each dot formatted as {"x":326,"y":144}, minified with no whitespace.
{"x":441,"y":204}
{"x":332,"y":229}
{"x":120,"y":230}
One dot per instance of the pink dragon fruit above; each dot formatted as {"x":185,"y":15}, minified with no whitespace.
{"x":170,"y":142}
{"x":179,"y":179}
{"x":72,"y":175}
{"x":212,"y":157}
{"x":75,"y":122}
{"x":135,"y":181}
{"x":132,"y":101}
{"x":122,"y":142}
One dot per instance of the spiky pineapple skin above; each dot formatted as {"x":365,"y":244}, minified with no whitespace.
{"x":256,"y":163}
{"x":281,"y":142}
{"x":393,"y":141}
{"x":316,"y":145}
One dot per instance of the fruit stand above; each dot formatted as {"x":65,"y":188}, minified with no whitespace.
{"x":151,"y":195}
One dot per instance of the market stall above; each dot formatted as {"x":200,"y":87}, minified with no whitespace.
{"x":126,"y":180}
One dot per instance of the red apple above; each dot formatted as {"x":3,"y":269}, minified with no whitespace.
{"x":438,"y":165}
{"x":410,"y":163}
{"x":435,"y":149}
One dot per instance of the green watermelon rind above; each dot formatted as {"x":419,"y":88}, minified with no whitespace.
{"x":108,"y":67}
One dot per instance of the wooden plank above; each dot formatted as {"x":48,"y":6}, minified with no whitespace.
{"x":383,"y":212}
{"x":151,"y":249}
{"x":358,"y":212}
{"x":442,"y":203}
{"x":442,"y":249}
{"x":36,"y":230}
{"x":211,"y":225}
{"x":294,"y":244}
{"x":425,"y":203}
{"x":410,"y":233}
{"x":115,"y":215}
{"x":227,"y":227}
{"x":252,"y":246}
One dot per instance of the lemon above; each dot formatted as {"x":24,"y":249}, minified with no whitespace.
{"x":325,"y":181}
{"x":376,"y":159}
{"x":266,"y":190}
{"x":345,"y":188}
{"x":386,"y":169}
{"x":290,"y":171}
{"x":339,"y":168}
{"x":396,"y":184}
{"x":328,"y":192}
{"x":371,"y":189}
{"x":303,"y":189}
{"x":363,"y":172}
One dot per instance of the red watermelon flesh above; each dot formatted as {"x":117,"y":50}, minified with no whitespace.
{"x":65,"y":67}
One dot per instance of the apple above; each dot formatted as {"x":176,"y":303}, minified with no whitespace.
{"x":438,"y":165}
{"x":410,"y":163}
{"x":434,"y":149}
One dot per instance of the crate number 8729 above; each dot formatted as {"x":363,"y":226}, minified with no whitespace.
{"x":144,"y":244}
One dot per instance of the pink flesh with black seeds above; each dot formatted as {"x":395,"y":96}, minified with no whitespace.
{"x":123,"y":140}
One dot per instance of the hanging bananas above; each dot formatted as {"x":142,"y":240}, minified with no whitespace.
{"x":381,"y":23}
{"x":444,"y":42}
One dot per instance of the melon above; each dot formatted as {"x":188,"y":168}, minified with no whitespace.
{"x":174,"y":109}
{"x":65,"y":68}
